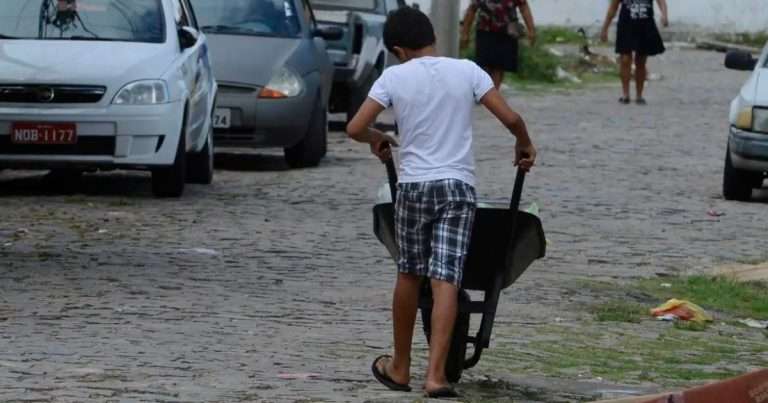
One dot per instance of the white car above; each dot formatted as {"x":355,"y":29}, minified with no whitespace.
{"x":746,"y":161}
{"x":107,"y":84}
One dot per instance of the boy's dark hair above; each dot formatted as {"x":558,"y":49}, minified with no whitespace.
{"x":408,"y":28}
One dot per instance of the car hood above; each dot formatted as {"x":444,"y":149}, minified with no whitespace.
{"x":250,"y":60}
{"x":81,"y":62}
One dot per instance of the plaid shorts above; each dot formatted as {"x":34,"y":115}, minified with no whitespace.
{"x":433,"y":222}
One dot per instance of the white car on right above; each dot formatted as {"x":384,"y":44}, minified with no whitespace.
{"x":746,"y":161}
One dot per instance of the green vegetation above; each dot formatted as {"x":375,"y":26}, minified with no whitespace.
{"x":746,"y":300}
{"x":620,"y":311}
{"x":757,"y":40}
{"x":539,"y":65}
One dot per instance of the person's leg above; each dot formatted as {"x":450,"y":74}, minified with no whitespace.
{"x":625,"y":67}
{"x":497,"y":75}
{"x":404,"y":307}
{"x":412,"y":235}
{"x":445,"y":296}
{"x":641,"y":74}
{"x":450,"y":245}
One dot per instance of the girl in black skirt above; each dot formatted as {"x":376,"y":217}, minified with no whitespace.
{"x":637,"y":36}
{"x":498,"y":31}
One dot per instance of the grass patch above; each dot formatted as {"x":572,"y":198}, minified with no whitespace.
{"x":746,"y":300}
{"x":755,"y":40}
{"x":619,"y":311}
{"x":562,"y":35}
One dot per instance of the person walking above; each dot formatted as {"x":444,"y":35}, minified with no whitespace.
{"x":498,"y":32}
{"x":637,"y":38}
{"x":433,"y":99}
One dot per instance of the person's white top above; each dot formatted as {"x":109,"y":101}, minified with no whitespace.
{"x":433,"y":99}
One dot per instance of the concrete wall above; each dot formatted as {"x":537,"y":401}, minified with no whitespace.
{"x":708,"y":15}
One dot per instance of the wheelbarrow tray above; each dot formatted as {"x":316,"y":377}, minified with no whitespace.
{"x":495,"y":253}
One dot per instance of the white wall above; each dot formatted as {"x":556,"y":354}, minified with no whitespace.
{"x":715,"y":15}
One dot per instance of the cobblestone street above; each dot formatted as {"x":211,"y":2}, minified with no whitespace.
{"x":270,"y":286}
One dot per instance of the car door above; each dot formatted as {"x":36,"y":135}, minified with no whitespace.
{"x":196,"y":76}
{"x":320,"y":49}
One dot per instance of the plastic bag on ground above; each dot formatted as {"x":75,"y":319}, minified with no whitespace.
{"x":683,"y":310}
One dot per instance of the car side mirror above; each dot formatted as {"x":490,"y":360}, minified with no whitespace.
{"x":188,"y":37}
{"x":329,"y":33}
{"x":740,"y":60}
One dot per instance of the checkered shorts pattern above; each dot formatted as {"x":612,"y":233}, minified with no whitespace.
{"x":433,"y":222}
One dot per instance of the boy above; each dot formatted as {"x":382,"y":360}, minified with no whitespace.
{"x":433,"y":98}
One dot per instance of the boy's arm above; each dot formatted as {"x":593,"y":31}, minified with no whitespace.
{"x":359,"y":129}
{"x":525,"y":152}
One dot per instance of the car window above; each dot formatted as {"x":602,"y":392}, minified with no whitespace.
{"x":248,"y":17}
{"x":368,"y":5}
{"x":190,"y":14}
{"x":392,"y":5}
{"x":105,"y":20}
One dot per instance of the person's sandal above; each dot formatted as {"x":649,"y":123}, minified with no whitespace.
{"x":641,"y":101}
{"x":446,"y":392}
{"x":624,"y":101}
{"x":381,"y":376}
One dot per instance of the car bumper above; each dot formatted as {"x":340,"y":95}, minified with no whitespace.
{"x":749,"y":151}
{"x":259,"y":122}
{"x":138,"y":137}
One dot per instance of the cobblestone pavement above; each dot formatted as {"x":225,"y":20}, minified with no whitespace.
{"x":269,"y":285}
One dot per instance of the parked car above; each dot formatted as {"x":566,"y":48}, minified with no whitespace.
{"x":274,"y":75}
{"x":746,"y":161}
{"x":106,"y":84}
{"x":359,"y":55}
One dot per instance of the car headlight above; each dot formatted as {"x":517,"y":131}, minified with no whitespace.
{"x":147,"y":92}
{"x":744,"y":119}
{"x":284,"y":84}
{"x":760,"y":120}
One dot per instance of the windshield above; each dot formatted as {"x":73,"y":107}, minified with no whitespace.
{"x":248,"y":17}
{"x":97,"y":20}
{"x":345,"y":4}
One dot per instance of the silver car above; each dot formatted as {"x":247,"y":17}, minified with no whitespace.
{"x":274,"y":75}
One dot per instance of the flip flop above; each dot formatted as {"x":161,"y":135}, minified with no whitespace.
{"x":385,"y":380}
{"x":446,"y":392}
{"x":641,"y":101}
{"x":624,"y":101}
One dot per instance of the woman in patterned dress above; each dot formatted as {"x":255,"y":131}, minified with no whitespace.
{"x":637,"y":38}
{"x":498,"y":33}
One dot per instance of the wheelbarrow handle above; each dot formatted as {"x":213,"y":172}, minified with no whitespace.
{"x":392,"y":177}
{"x":517,"y":193}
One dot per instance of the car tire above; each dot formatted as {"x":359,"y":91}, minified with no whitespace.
{"x":200,"y":164}
{"x":170,"y":181}
{"x":738,"y":183}
{"x":359,"y":95}
{"x":313,"y":147}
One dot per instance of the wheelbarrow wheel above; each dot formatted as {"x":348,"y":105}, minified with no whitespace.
{"x":454,"y":366}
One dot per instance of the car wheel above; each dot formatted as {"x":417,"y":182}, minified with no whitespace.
{"x":313,"y":147}
{"x":169,"y":181}
{"x":359,"y":95}
{"x":738,"y":183}
{"x":200,"y":164}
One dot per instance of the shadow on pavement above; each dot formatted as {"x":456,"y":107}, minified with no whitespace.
{"x":42,"y":183}
{"x":248,"y":162}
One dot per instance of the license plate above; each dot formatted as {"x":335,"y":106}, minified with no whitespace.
{"x":44,"y":133}
{"x":222,"y":118}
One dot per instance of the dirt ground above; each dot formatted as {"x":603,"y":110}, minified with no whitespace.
{"x":270,"y":286}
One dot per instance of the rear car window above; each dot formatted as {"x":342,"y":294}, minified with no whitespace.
{"x":248,"y":17}
{"x":346,"y":4}
{"x":96,"y":20}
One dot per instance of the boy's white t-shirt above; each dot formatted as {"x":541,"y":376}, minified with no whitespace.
{"x":433,"y":99}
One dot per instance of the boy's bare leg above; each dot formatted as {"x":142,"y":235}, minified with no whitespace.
{"x":404,"y":306}
{"x":626,"y":73}
{"x":445,"y":296}
{"x":641,"y":73}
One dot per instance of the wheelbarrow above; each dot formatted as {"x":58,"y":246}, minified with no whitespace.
{"x":504,"y":243}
